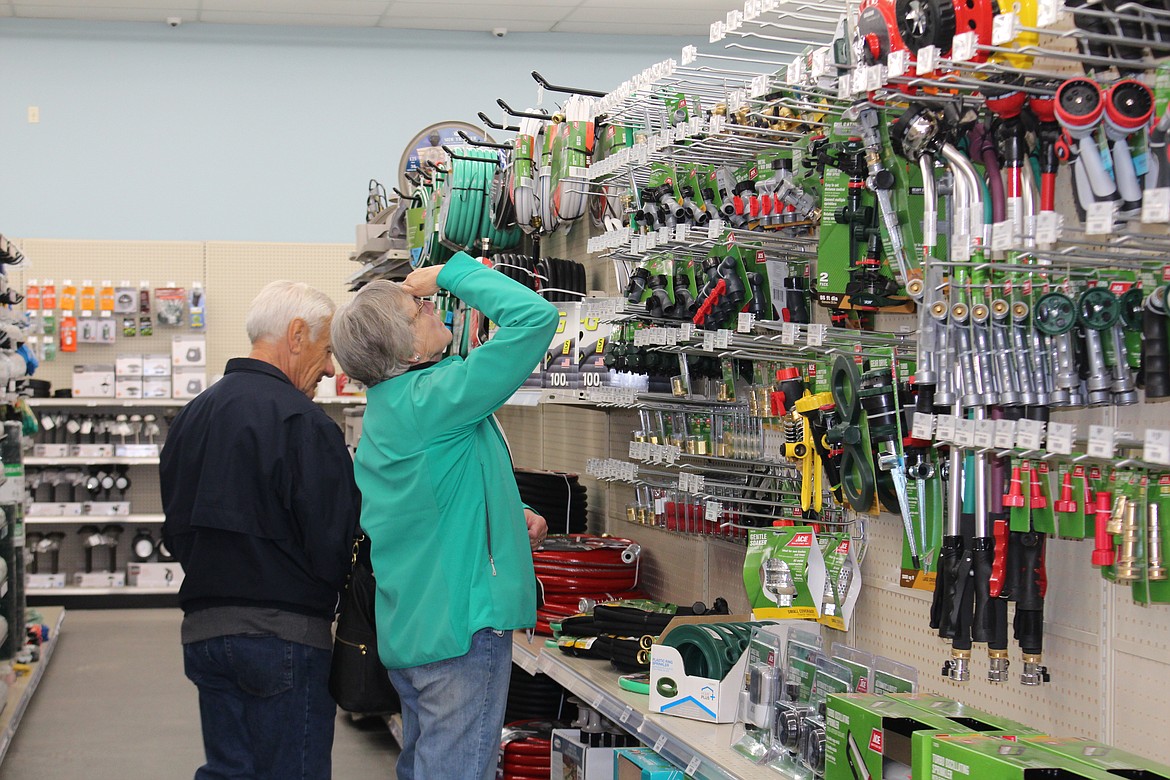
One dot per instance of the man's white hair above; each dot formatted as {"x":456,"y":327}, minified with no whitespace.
{"x":281,"y":302}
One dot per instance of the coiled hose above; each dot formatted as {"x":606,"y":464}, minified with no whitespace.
{"x":572,"y":568}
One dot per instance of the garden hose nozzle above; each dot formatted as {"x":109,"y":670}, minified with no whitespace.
{"x":1127,"y":568}
{"x":777,"y":581}
{"x":1156,"y":563}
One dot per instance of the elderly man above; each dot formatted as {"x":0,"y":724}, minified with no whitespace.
{"x":261,"y":509}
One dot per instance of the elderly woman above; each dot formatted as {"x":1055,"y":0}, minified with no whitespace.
{"x":450,"y":540}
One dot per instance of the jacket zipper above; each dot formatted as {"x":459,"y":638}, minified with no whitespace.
{"x":491,"y":559}
{"x":362,"y":646}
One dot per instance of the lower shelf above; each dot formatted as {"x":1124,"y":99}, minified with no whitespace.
{"x":21,"y":692}
{"x":703,"y":750}
{"x":129,"y":590}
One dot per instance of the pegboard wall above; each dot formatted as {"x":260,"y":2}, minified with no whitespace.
{"x":1109,"y":658}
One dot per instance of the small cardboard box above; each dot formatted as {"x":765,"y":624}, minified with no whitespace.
{"x":106,"y":508}
{"x":154,"y":575}
{"x":674,"y":692}
{"x":189,"y":350}
{"x":572,"y":759}
{"x":51,"y":450}
{"x":128,"y":387}
{"x":643,"y":764}
{"x":975,"y":720}
{"x":156,"y":386}
{"x":985,"y":756}
{"x":91,"y":450}
{"x":188,"y":382}
{"x":156,"y":365}
{"x":128,"y":365}
{"x":1102,"y":756}
{"x":38,"y":581}
{"x":99,"y":579}
{"x":93,"y":381}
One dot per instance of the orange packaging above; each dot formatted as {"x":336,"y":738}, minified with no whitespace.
{"x":68,"y":334}
{"x":32,"y":296}
{"x":48,"y":295}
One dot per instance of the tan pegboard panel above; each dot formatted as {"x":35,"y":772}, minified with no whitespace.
{"x":622,"y":424}
{"x":670,"y":563}
{"x":1073,"y":599}
{"x":524,"y":428}
{"x":725,"y":574}
{"x":618,"y":496}
{"x":236,"y":271}
{"x":1147,"y":627}
{"x":156,"y":262}
{"x":1140,"y":696}
{"x":571,"y":434}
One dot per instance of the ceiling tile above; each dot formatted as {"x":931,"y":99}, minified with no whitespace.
{"x":647,"y":19}
{"x":473,"y":25}
{"x":104,"y":5}
{"x":6,"y":10}
{"x":316,"y":7}
{"x":497,"y":11}
{"x":153,"y":14}
{"x":291,"y":20}
{"x":610,"y":28}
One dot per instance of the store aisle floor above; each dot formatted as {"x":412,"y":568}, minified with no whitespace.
{"x":114,"y":704}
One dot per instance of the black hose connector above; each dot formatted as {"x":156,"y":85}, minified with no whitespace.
{"x":982,"y":557}
{"x":1155,"y":354}
{"x":944,"y":586}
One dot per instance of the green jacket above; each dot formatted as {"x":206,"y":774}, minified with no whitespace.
{"x":448,"y":540}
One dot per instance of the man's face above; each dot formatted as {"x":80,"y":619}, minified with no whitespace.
{"x":314,"y":362}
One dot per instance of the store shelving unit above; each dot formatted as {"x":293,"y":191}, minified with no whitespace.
{"x":21,"y":692}
{"x":703,"y":750}
{"x":112,"y":461}
{"x":107,"y":403}
{"x":74,"y":519}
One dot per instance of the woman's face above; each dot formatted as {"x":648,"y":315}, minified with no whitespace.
{"x":431,"y":336}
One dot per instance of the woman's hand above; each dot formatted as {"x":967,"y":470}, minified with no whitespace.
{"x":422,"y":282}
{"x":537,"y":528}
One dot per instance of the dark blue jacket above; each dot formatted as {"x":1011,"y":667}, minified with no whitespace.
{"x":259,"y":496}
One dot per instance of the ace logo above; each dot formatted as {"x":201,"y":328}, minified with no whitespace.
{"x":875,"y":741}
{"x":843,"y":548}
{"x":801,"y":540}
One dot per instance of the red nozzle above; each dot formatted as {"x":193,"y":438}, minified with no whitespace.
{"x":1103,"y":554}
{"x":1015,"y":495}
{"x":1038,"y":499}
{"x":1066,"y":504}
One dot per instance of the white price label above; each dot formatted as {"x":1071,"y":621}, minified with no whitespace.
{"x":723,"y":338}
{"x":963,"y":46}
{"x":689,"y":54}
{"x":714,"y":229}
{"x":713,"y":511}
{"x":1029,"y":434}
{"x":680,"y":233}
{"x":898,"y":62}
{"x":1005,"y":434}
{"x":788,"y":334}
{"x":844,"y":87}
{"x":698,"y":483}
{"x":716,"y":125}
{"x":1156,"y":204}
{"x":923,"y":426}
{"x":659,"y":743}
{"x":927,"y":60}
{"x":1101,"y":442}
{"x":796,"y":72}
{"x":686,"y":331}
{"x":816,"y":335}
{"x":759,"y":86}
{"x":1049,"y":12}
{"x":718,"y":32}
{"x":694,"y":765}
{"x":984,"y":434}
{"x":745,"y":322}
{"x":672,"y":336}
{"x":820,"y":60}
{"x":1099,"y":218}
{"x":708,"y":341}
{"x":1048,"y":227}
{"x":625,"y":716}
{"x":964,"y":432}
{"x":1003,"y":29}
{"x":665,"y":234}
{"x":875,"y":77}
{"x":1157,"y":447}
{"x":734,"y":20}
{"x":1001,"y":236}
{"x":945,"y":428}
{"x":635,"y":446}
{"x":751,"y":10}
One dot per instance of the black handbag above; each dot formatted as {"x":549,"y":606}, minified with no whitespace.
{"x":357,"y":680}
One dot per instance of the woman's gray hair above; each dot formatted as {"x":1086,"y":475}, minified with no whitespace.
{"x":279,"y":303}
{"x":373,"y":334}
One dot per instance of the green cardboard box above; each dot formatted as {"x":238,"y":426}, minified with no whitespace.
{"x":1113,"y":760}
{"x":869,"y":736}
{"x":985,"y":757}
{"x":974,"y":719}
{"x":643,"y":764}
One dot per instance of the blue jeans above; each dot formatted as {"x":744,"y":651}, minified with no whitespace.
{"x":265,"y":707}
{"x":453,"y":711}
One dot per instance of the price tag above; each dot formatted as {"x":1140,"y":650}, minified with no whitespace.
{"x":708,"y":341}
{"x":715,"y":229}
{"x":716,"y":125}
{"x":722,"y":338}
{"x":1048,"y":227}
{"x":788,"y":334}
{"x":686,"y":331}
{"x":820,"y":59}
{"x":670,"y":337}
{"x":694,"y":765}
{"x":816,"y":335}
{"x":964,"y":432}
{"x":875,"y":77}
{"x":1029,"y":434}
{"x":1157,"y":447}
{"x":759,"y":86}
{"x":1003,"y":29}
{"x":734,"y":20}
{"x":713,"y":511}
{"x":659,"y":743}
{"x":1049,"y":12}
{"x":1099,"y":218}
{"x":689,"y":55}
{"x":1060,"y":438}
{"x":1005,"y":434}
{"x":923,"y":426}
{"x":796,"y":74}
{"x":635,"y":446}
{"x":768,"y":5}
{"x":1101,"y":441}
{"x":844,"y":87}
{"x":984,"y":434}
{"x":945,"y":428}
{"x":963,"y":46}
{"x":927,"y":60}
{"x":751,"y":10}
{"x":698,"y":483}
{"x":718,"y":32}
{"x":664,"y":235}
{"x":680,"y":233}
{"x":596,"y":701}
{"x":1156,"y":204}
{"x":745,"y":322}
{"x":1001,"y":236}
{"x":898,"y":62}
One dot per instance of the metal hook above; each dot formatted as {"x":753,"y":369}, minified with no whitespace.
{"x":542,"y":81}
{"x":484,"y":144}
{"x":496,"y":125}
{"x":525,"y":114}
